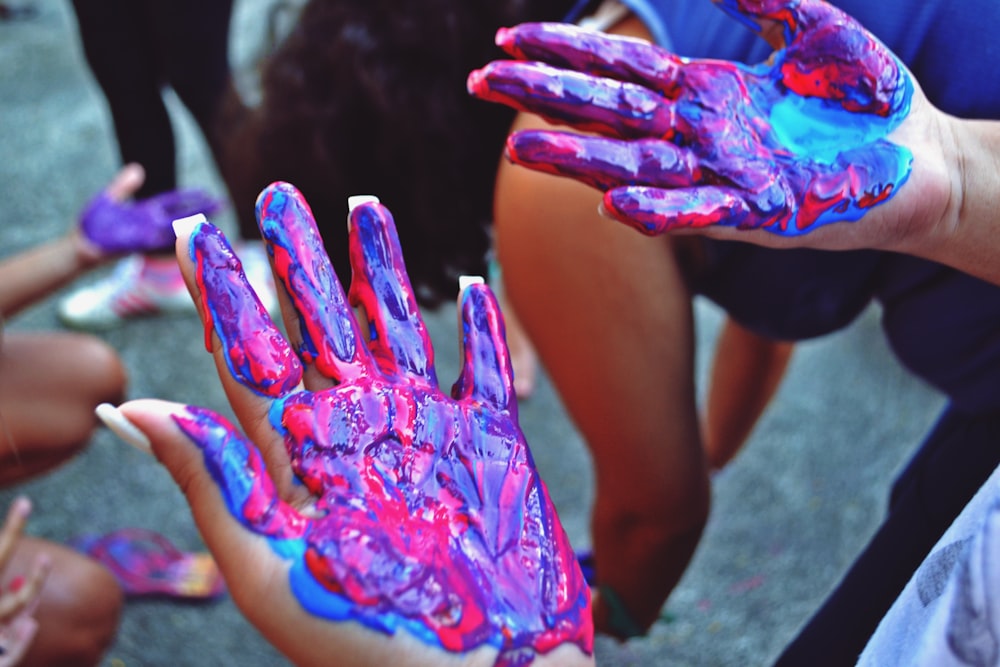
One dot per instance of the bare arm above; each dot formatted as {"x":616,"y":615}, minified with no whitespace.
{"x":32,"y":275}
{"x":37,"y":272}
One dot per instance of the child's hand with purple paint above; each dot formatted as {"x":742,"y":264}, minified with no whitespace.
{"x":824,"y":131}
{"x":366,"y":517}
{"x":90,"y":250}
{"x":36,"y":273}
{"x":113,"y":224}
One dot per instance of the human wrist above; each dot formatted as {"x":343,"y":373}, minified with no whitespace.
{"x":84,"y":254}
{"x":980,"y":174}
{"x":966,"y":236}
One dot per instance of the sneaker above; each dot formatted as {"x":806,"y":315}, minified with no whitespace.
{"x":142,"y":285}
{"x":138,"y":286}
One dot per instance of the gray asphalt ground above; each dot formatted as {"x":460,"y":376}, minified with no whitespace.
{"x":789,"y":514}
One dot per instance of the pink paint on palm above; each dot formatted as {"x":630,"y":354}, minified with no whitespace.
{"x":433,"y":517}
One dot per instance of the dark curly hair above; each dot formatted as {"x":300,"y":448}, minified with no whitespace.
{"x":369,"y":97}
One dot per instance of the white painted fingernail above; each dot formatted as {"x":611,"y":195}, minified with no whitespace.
{"x":466,"y":281}
{"x":358,"y":200}
{"x":185,"y":225}
{"x":311,"y":512}
{"x":122,"y":427}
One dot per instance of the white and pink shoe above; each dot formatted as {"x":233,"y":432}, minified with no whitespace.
{"x":146,"y":285}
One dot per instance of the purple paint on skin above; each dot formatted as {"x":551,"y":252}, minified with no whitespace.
{"x":141,"y":226}
{"x":240,"y":472}
{"x":258,"y":355}
{"x":786,"y":146}
{"x":330,"y":334}
{"x":383,"y":290}
{"x":433,"y":517}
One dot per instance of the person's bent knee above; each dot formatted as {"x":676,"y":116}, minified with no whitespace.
{"x":79,"y":610}
{"x":102,"y":370}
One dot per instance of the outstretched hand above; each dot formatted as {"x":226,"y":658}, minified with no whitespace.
{"x":387,"y":505}
{"x":824,"y":131}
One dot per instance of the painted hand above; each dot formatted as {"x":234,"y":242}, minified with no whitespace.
{"x":113,"y":224}
{"x":786,"y":146}
{"x":397,"y":505}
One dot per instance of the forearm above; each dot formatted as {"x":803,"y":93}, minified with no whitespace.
{"x":969,"y":237}
{"x":35,"y":273}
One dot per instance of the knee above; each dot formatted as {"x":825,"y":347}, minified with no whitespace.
{"x":100,"y":380}
{"x":99,"y":376}
{"x":79,"y":610}
{"x":101,"y":372}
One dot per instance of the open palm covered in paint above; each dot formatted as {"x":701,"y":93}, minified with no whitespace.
{"x":787,"y":145}
{"x":399,"y":506}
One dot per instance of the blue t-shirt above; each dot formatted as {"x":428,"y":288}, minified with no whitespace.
{"x":942,"y":324}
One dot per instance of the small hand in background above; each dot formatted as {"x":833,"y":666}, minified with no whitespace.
{"x":112,"y":224}
{"x":21,"y":594}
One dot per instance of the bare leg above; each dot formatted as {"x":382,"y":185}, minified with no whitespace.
{"x":611,"y":318}
{"x":78,"y":610}
{"x":49,"y":386}
{"x":746,"y":372}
